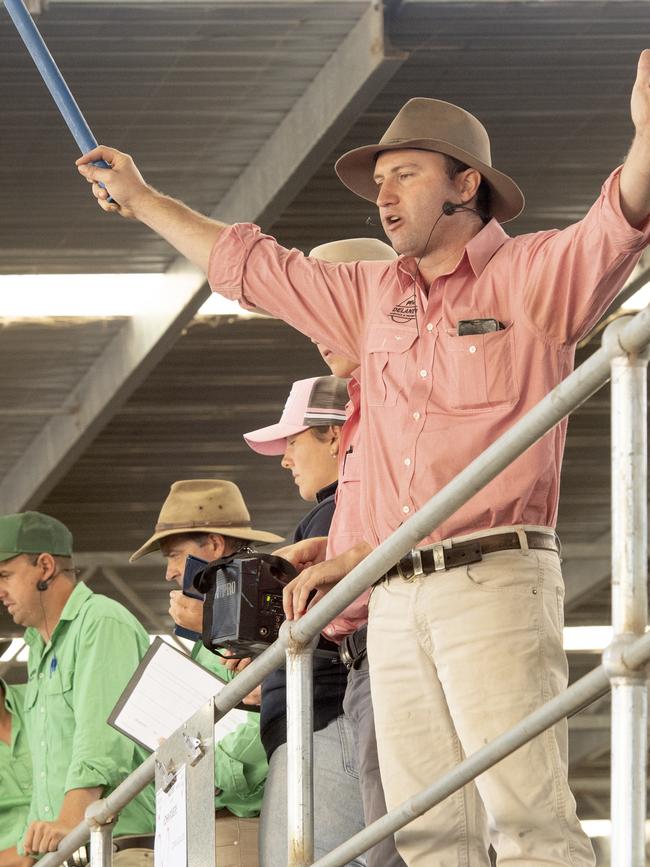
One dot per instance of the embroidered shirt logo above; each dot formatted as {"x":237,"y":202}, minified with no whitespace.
{"x":405,"y":311}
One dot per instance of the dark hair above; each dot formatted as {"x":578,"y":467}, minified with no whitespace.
{"x":323,"y":432}
{"x":232,"y":543}
{"x":63,"y":564}
{"x":483,"y":194}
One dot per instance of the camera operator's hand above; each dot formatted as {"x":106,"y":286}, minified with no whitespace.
{"x":236,"y":665}
{"x":322,"y":578}
{"x":305,"y":553}
{"x":185,"y":611}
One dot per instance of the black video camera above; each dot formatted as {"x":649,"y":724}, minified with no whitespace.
{"x":243,"y":610}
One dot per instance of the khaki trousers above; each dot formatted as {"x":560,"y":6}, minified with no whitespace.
{"x":236,"y":841}
{"x":133,"y":858}
{"x":456,"y":658}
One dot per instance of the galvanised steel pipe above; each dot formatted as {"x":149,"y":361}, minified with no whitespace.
{"x":629,"y":603}
{"x":103,"y":811}
{"x":101,"y":846}
{"x":300,"y":754}
{"x":52,"y":77}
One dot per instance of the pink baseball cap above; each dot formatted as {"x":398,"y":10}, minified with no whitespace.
{"x":319,"y":400}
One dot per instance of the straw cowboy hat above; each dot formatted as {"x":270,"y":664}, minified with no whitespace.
{"x":204,"y":506}
{"x":433,"y":125}
{"x":353,"y":250}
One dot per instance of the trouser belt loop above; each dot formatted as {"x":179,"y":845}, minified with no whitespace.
{"x":417,"y":562}
{"x":523,"y":540}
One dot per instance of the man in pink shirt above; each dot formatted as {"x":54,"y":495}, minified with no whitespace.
{"x":457,"y":339}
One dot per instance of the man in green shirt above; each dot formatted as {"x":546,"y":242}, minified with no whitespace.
{"x":15,"y":775}
{"x":83,"y":648}
{"x":208,"y":518}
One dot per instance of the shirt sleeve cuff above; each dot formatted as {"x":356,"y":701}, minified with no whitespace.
{"x":85,"y":775}
{"x":629,"y":238}
{"x":228,"y":261}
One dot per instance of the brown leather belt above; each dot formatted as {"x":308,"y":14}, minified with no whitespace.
{"x":440,"y":557}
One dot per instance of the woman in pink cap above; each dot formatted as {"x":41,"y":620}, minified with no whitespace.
{"x":308,"y":438}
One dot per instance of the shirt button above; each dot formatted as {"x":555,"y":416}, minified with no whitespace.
{"x":472,"y":349}
{"x":406,"y":510}
{"x":42,"y":710}
{"x":429,"y":327}
{"x":407,"y":462}
{"x":40,"y":677}
{"x":423,"y":373}
{"x":46,"y":809}
{"x":42,"y":773}
{"x":42,"y":743}
{"x":416,"y":416}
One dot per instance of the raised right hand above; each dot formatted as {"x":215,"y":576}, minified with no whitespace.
{"x":122,"y":182}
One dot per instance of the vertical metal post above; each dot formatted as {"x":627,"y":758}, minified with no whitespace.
{"x":629,"y":605}
{"x":101,"y":837}
{"x":101,"y":846}
{"x":300,"y":748}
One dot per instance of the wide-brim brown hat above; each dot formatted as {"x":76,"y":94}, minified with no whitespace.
{"x":204,"y":506}
{"x":353,"y":250}
{"x":434,"y":125}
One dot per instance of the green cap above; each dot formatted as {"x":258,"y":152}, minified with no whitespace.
{"x":33,"y":533}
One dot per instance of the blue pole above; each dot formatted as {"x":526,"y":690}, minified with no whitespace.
{"x":52,"y":77}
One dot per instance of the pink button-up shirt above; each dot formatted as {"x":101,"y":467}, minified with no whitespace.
{"x":432,"y":401}
{"x":346,"y":529}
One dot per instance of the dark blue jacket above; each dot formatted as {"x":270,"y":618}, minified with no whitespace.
{"x":330,"y":676}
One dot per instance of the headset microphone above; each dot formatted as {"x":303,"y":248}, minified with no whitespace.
{"x":42,"y":585}
{"x":449,"y":208}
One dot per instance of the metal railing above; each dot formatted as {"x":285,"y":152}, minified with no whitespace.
{"x":623,"y":358}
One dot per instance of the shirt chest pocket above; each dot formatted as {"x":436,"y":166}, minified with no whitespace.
{"x":387,"y":349}
{"x":50,"y":695}
{"x":477,"y":371}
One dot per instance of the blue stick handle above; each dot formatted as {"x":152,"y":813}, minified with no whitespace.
{"x":53,"y":79}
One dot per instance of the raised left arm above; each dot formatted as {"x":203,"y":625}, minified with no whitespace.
{"x":635,"y":175}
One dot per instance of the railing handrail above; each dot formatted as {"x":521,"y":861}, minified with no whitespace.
{"x":625,"y":336}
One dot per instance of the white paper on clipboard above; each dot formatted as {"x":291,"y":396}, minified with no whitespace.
{"x":170,"y":847}
{"x":167,"y":688}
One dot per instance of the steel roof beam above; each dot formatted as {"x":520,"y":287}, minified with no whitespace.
{"x":341,"y":90}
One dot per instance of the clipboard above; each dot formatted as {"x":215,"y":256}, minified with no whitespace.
{"x":165,"y":689}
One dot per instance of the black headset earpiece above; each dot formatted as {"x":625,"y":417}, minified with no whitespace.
{"x":43,"y":584}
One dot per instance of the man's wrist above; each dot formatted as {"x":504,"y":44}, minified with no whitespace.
{"x":143,"y":204}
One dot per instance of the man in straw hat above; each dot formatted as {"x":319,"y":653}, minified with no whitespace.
{"x":208,"y":518}
{"x":457,"y":339}
{"x":83,"y":648}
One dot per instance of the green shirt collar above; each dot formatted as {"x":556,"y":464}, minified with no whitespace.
{"x":71,"y":609}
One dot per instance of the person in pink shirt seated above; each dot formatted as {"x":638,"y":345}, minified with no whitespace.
{"x":457,"y":339}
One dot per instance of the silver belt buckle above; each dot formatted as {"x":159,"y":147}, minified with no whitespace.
{"x":417,"y":562}
{"x":439,"y":557}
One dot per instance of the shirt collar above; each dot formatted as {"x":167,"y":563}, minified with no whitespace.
{"x":484,"y":245}
{"x":478,"y":251}
{"x":70,"y":610}
{"x":327,"y":491}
